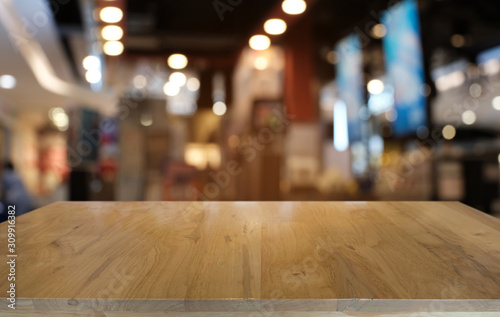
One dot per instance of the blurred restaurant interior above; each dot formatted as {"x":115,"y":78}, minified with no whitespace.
{"x":252,"y":100}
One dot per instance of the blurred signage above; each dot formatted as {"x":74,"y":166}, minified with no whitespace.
{"x":403,"y":54}
{"x":350,"y":83}
{"x":382,"y":102}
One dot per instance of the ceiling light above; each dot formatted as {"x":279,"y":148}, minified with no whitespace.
{"x":496,"y":103}
{"x":91,"y":63}
{"x":379,"y":31}
{"x":457,"y":40}
{"x":7,"y":81}
{"x":294,"y":6}
{"x":60,"y":120}
{"x":112,"y":33}
{"x":113,"y":48}
{"x":193,"y":84}
{"x":259,"y":42}
{"x":139,"y":81}
{"x":171,"y":89}
{"x":260,"y":63}
{"x":469,"y":117}
{"x":53,"y":112}
{"x":93,"y":76}
{"x":111,"y":14}
{"x":177,"y":61}
{"x":275,"y":26}
{"x":331,"y":57}
{"x":375,"y":86}
{"x":219,"y":108}
{"x":178,"y":79}
{"x":449,"y":132}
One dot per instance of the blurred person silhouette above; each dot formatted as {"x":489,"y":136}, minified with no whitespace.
{"x":13,"y":192}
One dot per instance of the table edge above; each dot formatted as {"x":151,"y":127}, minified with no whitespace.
{"x":260,"y":305}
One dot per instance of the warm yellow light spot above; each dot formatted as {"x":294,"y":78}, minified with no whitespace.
{"x":449,"y":132}
{"x":259,"y":42}
{"x":111,"y":14}
{"x":275,"y":26}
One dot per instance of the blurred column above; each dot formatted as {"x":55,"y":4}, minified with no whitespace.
{"x":299,"y":71}
{"x":130,"y":184}
{"x":205,"y":100}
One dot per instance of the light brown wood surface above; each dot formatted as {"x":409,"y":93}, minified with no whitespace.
{"x":266,"y":257}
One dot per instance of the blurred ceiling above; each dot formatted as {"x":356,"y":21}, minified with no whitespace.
{"x":196,"y":27}
{"x":476,"y":20}
{"x":32,"y":52}
{"x":220,"y":28}
{"x":28,"y":92}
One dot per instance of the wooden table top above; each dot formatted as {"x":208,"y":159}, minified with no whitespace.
{"x":203,"y":255}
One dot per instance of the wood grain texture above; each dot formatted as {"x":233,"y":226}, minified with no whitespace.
{"x":256,"y":257}
{"x":242,"y":314}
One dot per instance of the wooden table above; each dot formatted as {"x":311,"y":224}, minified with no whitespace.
{"x":254,"y":259}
